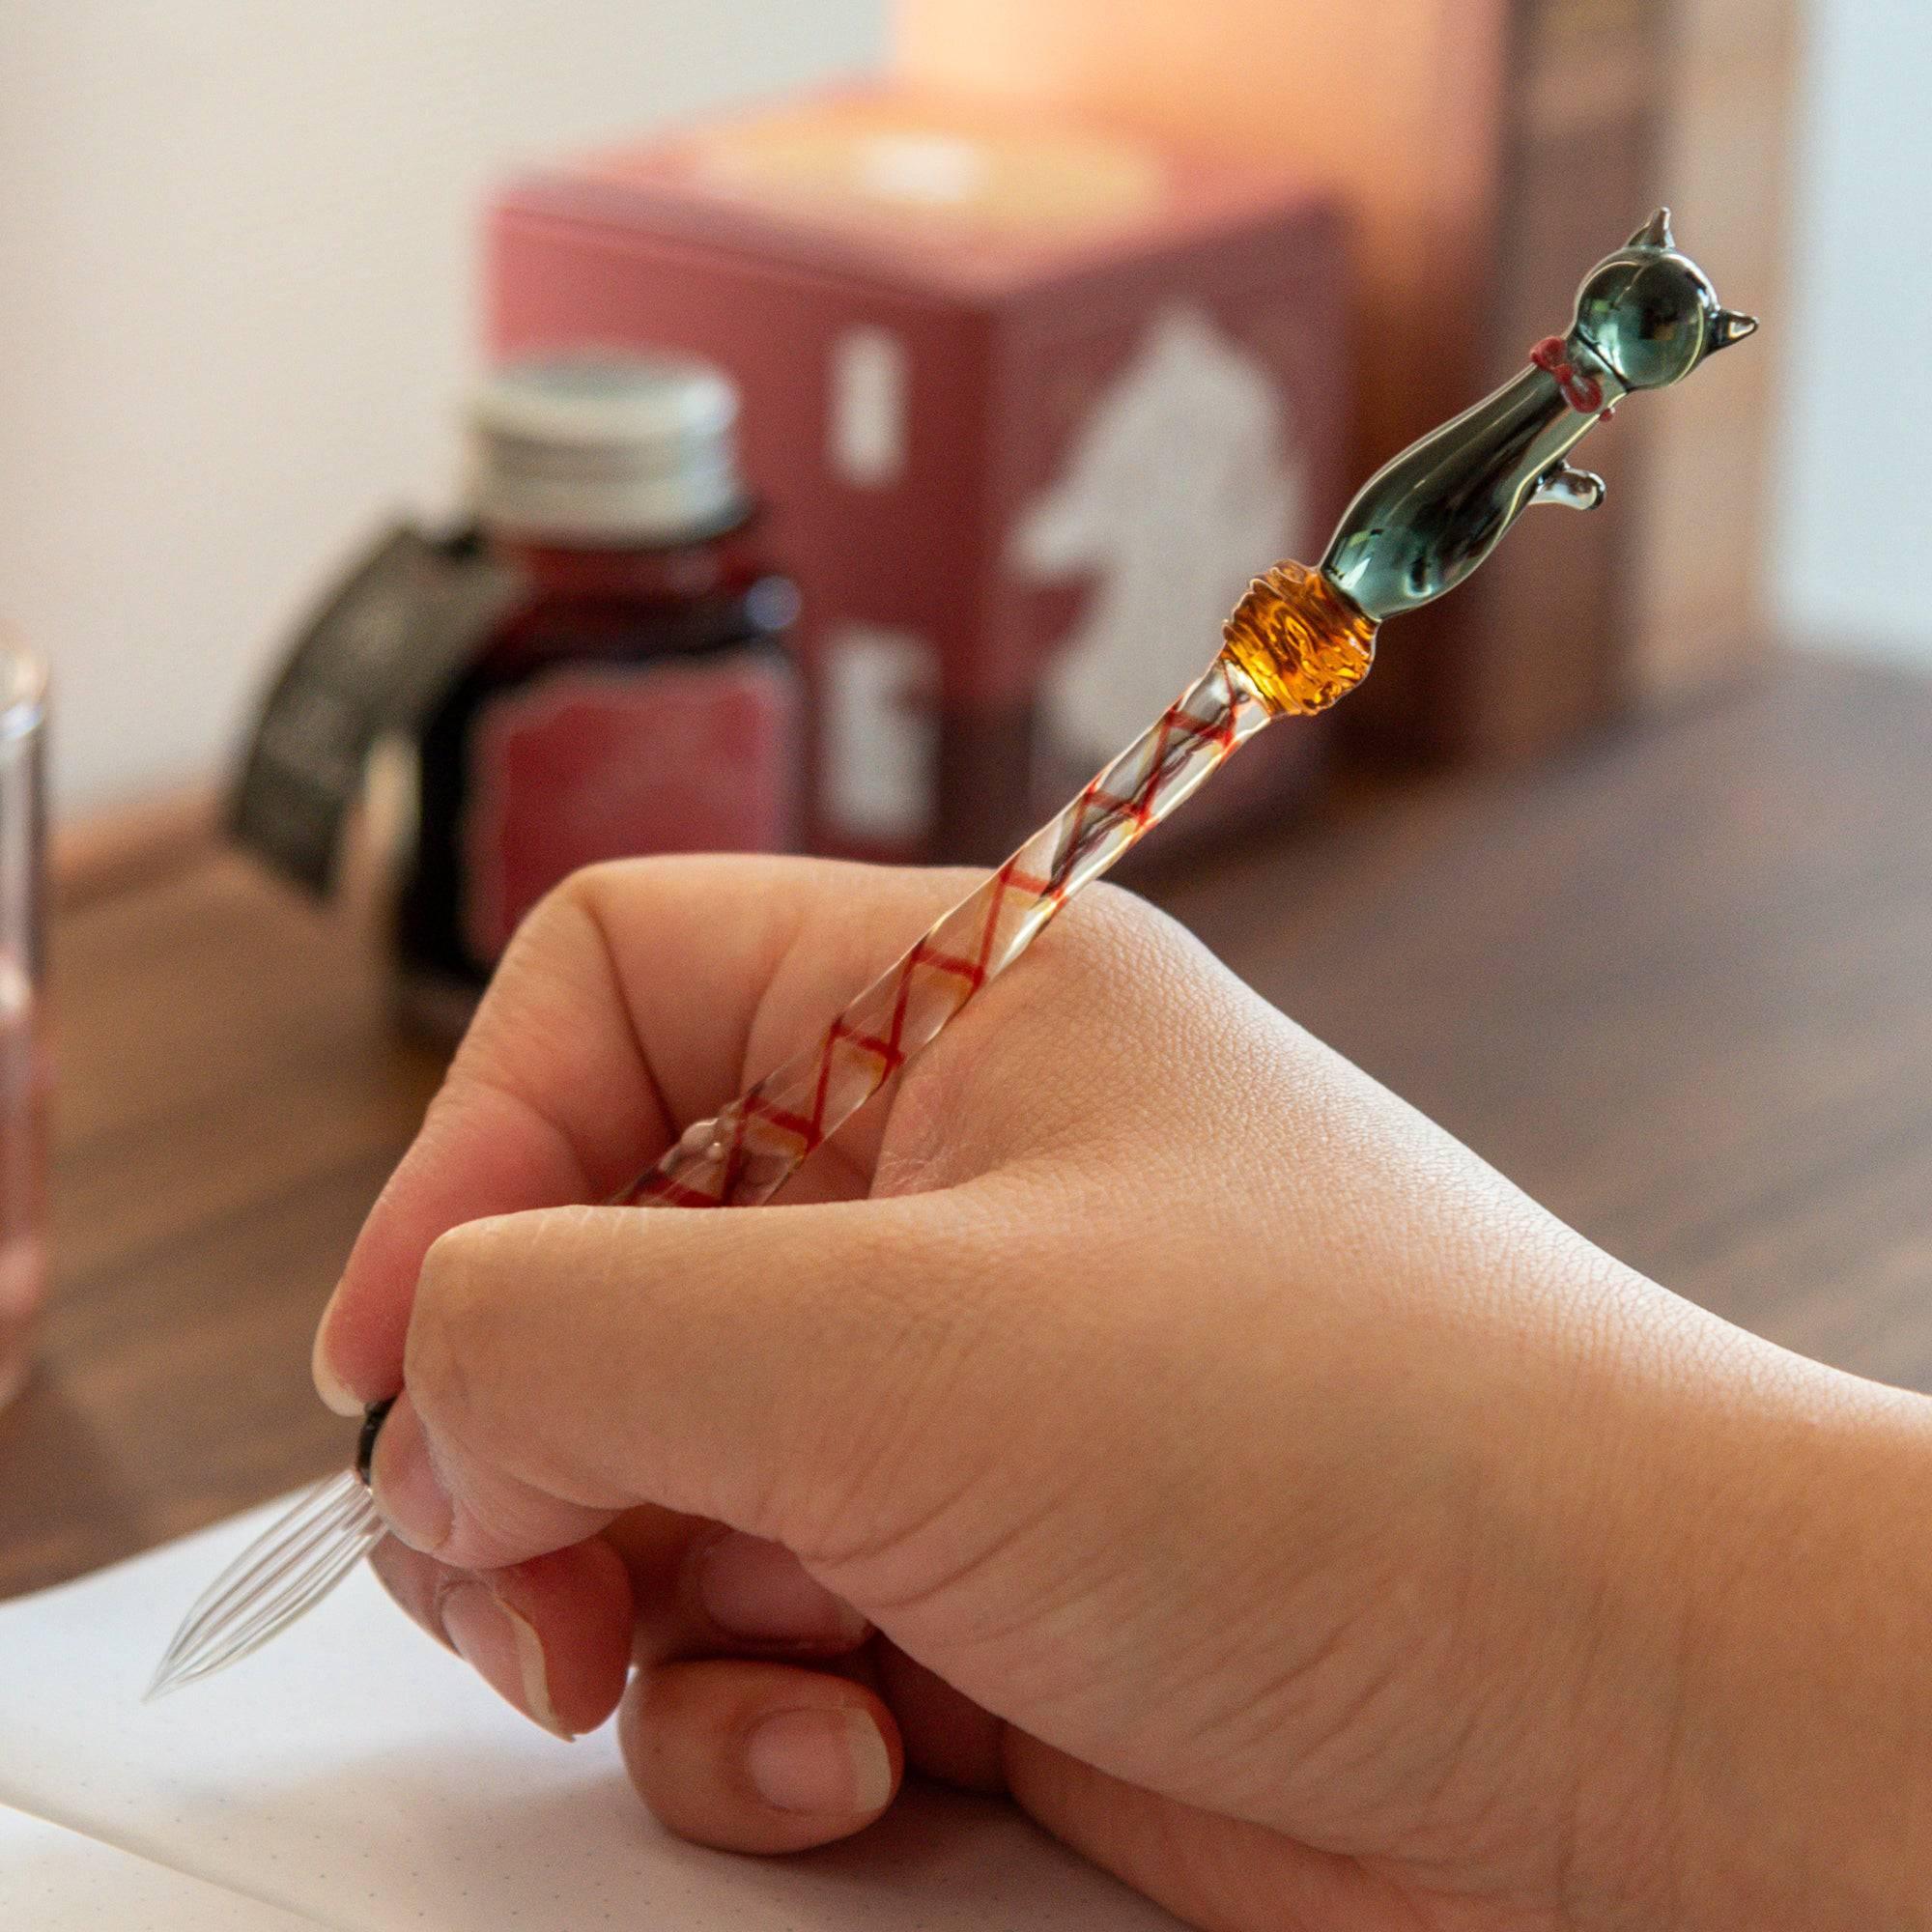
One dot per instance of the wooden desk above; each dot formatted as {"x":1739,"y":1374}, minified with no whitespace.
{"x":1679,"y":985}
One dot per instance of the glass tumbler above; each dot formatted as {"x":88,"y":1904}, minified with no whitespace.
{"x":24,"y":1053}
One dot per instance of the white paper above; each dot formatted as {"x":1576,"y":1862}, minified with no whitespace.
{"x":355,"y":1774}
{"x":53,"y":1880}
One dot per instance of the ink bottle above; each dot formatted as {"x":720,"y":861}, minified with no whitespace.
{"x":639,"y":695}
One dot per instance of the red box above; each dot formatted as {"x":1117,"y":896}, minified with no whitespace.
{"x":1029,"y":401}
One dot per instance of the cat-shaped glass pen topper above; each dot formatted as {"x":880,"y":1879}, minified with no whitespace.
{"x":1300,"y":639}
{"x":1645,"y":318}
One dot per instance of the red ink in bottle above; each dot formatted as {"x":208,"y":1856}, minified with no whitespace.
{"x":641,"y":696}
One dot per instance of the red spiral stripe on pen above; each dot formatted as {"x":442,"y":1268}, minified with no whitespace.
{"x":751,"y":1148}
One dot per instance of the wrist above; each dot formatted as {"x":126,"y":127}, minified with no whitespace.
{"x":1786,"y":1512}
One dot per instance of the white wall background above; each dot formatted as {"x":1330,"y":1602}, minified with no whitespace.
{"x":1855,"y":564}
{"x":236,"y":306}
{"x":236,"y":299}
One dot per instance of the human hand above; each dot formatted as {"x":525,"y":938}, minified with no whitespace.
{"x":1135,"y":1409}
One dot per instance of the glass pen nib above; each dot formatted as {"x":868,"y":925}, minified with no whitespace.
{"x":285,"y":1572}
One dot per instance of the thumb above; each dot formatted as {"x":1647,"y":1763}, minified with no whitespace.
{"x":566,"y":1364}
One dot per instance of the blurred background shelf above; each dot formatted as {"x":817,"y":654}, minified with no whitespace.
{"x":1731,"y":1096}
{"x":245,"y":258}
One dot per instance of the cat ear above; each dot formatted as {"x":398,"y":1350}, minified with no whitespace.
{"x":1654,"y":233}
{"x":1730,"y":327}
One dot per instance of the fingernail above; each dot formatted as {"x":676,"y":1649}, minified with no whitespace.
{"x":403,"y":1480}
{"x":828,"y":1761}
{"x":329,"y":1385}
{"x":759,"y":1590}
{"x":502,"y":1648}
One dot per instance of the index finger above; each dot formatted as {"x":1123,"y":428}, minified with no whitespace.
{"x":638,"y":997}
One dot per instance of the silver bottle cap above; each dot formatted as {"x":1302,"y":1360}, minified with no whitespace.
{"x":605,"y":449}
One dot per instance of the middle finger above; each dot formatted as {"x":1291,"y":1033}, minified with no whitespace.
{"x":554,"y":1636}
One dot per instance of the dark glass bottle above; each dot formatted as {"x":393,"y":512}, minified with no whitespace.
{"x":641,"y":696}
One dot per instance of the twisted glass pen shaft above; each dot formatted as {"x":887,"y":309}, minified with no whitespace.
{"x":746,"y":1153}
{"x":1647,"y":317}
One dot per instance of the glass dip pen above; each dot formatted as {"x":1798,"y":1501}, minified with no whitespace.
{"x":1300,"y":639}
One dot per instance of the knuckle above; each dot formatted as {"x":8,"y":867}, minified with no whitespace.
{"x":600,"y":891}
{"x":537,"y":929}
{"x":552,"y":925}
{"x":555,"y":925}
{"x":1115,"y":929}
{"x":590,"y":887}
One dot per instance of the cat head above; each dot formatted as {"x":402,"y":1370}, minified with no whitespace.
{"x":1649,"y":314}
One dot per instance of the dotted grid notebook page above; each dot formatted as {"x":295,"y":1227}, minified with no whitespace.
{"x":53,"y":1880}
{"x":357,"y":1776}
